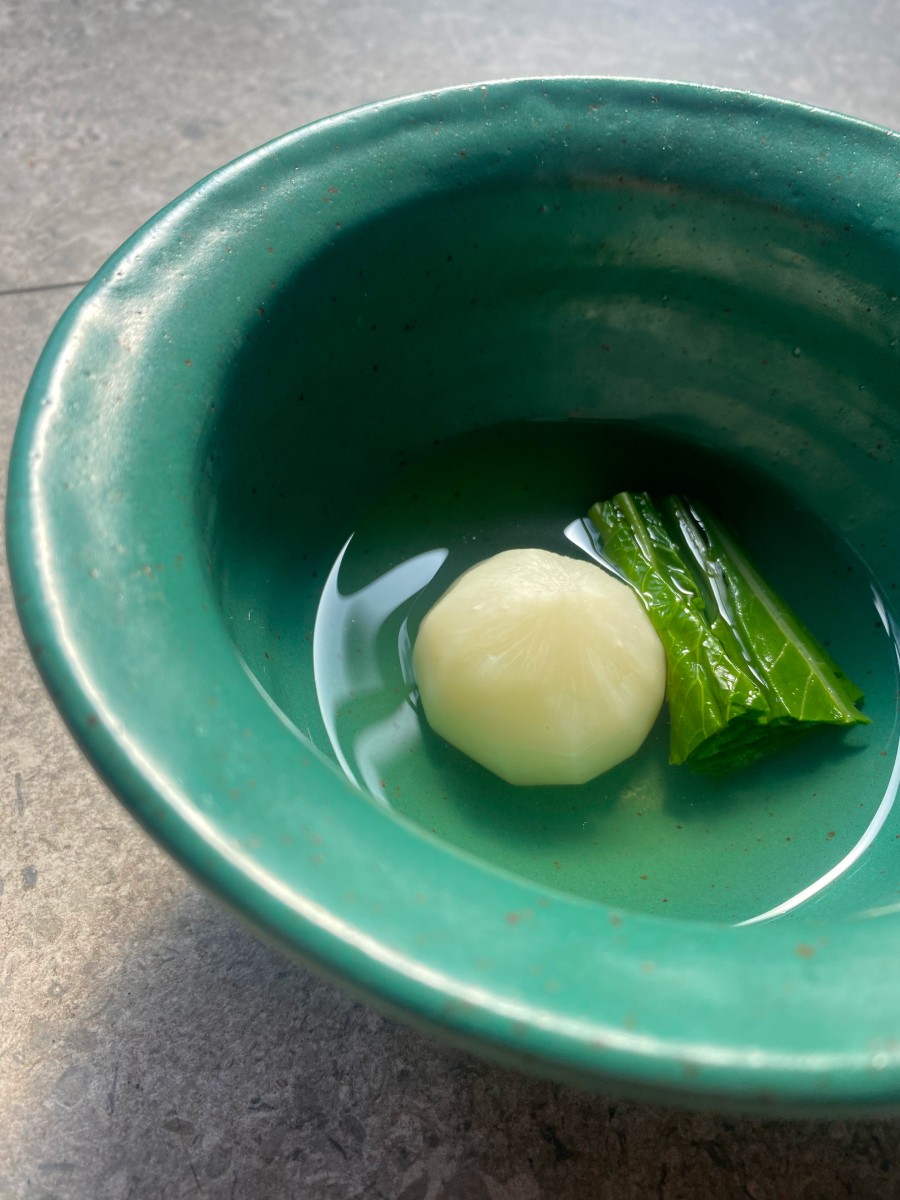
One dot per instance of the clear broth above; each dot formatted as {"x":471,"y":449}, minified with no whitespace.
{"x":646,"y":835}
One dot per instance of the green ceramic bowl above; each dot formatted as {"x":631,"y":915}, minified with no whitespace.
{"x":444,"y":324}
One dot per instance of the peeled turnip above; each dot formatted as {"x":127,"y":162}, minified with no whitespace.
{"x":544,"y":669}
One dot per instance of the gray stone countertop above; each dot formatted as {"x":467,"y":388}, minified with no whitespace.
{"x":150,"y":1047}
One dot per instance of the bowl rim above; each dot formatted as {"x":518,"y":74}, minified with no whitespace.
{"x":697,"y":1018}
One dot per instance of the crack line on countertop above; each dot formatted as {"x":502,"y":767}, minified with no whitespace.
{"x":42,"y":287}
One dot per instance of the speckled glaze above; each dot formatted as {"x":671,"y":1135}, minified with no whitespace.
{"x":270,"y":348}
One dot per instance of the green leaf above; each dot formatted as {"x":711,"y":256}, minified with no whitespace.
{"x":801,"y":680}
{"x":707,"y":690}
{"x":745,"y":676}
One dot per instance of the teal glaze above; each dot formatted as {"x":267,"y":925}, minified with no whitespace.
{"x":228,"y":396}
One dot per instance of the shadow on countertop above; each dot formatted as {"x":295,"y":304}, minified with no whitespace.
{"x":209,"y":1065}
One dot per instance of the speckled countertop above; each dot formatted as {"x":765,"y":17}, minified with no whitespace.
{"x":149,"y":1046}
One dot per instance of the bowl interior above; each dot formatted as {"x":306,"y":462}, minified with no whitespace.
{"x":468,"y":371}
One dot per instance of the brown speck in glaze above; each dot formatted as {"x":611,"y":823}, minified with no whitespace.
{"x":512,"y":918}
{"x":804,"y":950}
